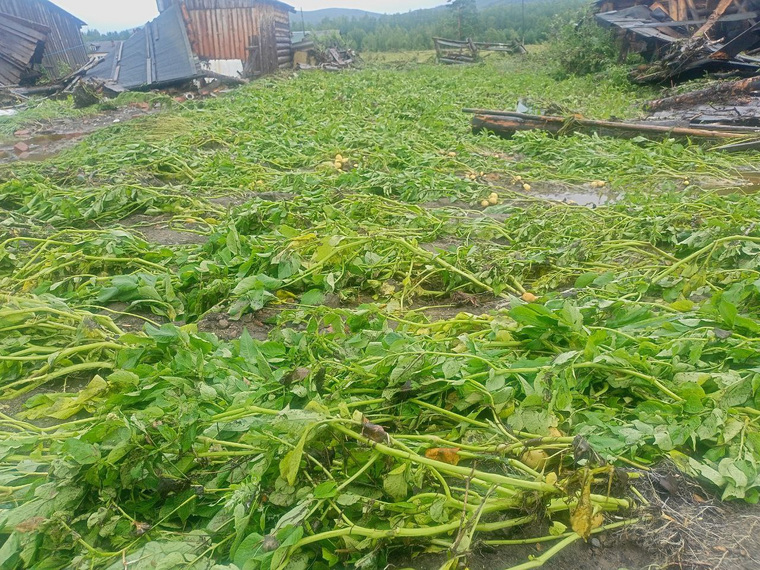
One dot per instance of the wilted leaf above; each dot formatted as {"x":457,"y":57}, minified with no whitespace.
{"x":583,"y":519}
{"x":448,"y":455}
{"x":374,"y":432}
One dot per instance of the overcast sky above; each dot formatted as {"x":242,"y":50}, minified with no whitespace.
{"x":111,"y":15}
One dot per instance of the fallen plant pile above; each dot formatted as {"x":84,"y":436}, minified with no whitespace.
{"x":433,"y":376}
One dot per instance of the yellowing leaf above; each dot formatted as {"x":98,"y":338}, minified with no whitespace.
{"x":448,"y":455}
{"x":63,"y":406}
{"x":283,"y":295}
{"x":583,"y":519}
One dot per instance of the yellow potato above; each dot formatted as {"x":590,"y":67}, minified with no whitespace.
{"x":529,"y":297}
{"x":526,"y":187}
{"x":493,"y":199}
{"x":485,"y":203}
{"x":535,"y":458}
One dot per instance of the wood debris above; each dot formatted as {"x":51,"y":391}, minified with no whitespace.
{"x":684,"y":39}
{"x":458,"y":52}
{"x":507,"y":123}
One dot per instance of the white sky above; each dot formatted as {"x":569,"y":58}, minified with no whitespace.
{"x":114,"y":15}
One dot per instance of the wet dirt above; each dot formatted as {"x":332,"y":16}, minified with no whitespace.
{"x":258,"y":325}
{"x":158,"y":229}
{"x":600,"y":553}
{"x":43,"y":140}
{"x":131,"y":319}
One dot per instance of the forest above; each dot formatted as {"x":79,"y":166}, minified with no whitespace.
{"x":460,"y":19}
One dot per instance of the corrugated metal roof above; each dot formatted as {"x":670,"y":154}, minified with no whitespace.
{"x":639,"y":19}
{"x":21,"y":46}
{"x":157,"y":54}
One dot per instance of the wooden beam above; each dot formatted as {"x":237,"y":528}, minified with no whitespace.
{"x":505,"y":124}
{"x":717,"y":13}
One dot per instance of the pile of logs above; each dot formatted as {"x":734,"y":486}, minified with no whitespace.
{"x":456,"y":52}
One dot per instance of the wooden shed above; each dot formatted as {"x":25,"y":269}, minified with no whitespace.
{"x":64,"y":49}
{"x":237,"y":37}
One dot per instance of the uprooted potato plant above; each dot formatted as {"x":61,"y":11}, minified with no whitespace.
{"x":435,"y":376}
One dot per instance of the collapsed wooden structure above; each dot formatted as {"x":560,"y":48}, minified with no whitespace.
{"x":468,"y":51}
{"x":686,"y":38}
{"x":191,"y":39}
{"x":322,"y":50}
{"x":38,"y":38}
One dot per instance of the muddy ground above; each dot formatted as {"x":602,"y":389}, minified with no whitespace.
{"x":41,"y":140}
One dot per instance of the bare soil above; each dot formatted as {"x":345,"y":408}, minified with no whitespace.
{"x":258,"y":325}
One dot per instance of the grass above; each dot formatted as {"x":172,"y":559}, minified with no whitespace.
{"x":433,"y":372}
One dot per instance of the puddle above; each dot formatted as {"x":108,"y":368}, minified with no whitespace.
{"x":53,"y":137}
{"x":579,"y":196}
{"x":751,"y":185}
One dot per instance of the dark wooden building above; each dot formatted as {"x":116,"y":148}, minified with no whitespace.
{"x":64,"y":49}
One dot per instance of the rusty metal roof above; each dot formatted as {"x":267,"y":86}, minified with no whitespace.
{"x":22,"y":44}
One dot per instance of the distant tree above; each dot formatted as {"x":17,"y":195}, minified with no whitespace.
{"x":96,"y":36}
{"x":466,"y":17}
{"x":414,"y":30}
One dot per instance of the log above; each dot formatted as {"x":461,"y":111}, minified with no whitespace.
{"x":456,"y":61}
{"x":708,"y":94}
{"x":506,"y":124}
{"x":42,"y":90}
